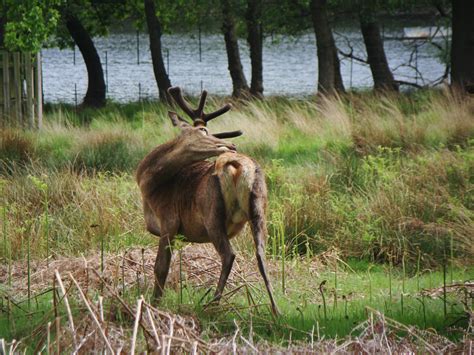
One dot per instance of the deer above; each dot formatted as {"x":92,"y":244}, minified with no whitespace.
{"x":205,"y":201}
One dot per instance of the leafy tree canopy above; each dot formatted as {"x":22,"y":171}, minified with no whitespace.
{"x":29,"y":23}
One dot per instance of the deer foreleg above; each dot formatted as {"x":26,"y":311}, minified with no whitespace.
{"x":162,"y":266}
{"x":259,"y":231}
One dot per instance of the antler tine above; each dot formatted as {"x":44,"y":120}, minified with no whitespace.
{"x":177,"y":95}
{"x":197,"y":115}
{"x":212,"y":115}
{"x":202,"y":102}
{"x":231,"y":134}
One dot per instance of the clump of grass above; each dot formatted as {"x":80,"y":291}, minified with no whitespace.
{"x":16,"y":147}
{"x":108,"y":152}
{"x":355,"y":173}
{"x":81,"y":209}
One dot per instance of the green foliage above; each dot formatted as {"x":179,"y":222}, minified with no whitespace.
{"x":381,"y":179}
{"x":97,"y":16}
{"x":29,"y":23}
{"x":108,"y":153}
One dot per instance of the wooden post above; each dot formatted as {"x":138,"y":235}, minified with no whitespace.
{"x":6,"y":86}
{"x":2,"y":98}
{"x":39,"y":91}
{"x":30,"y":104}
{"x":17,"y":82}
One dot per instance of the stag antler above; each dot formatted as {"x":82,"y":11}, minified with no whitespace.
{"x":197,"y":115}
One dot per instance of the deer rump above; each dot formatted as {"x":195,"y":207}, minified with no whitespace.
{"x":205,"y":193}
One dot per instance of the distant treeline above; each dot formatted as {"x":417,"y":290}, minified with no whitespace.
{"x":29,"y":25}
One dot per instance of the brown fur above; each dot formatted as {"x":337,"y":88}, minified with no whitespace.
{"x":205,"y":201}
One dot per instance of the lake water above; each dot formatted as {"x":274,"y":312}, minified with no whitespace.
{"x":290,"y":65}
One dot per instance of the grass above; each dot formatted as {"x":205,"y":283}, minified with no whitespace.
{"x":377,"y":189}
{"x":246,"y":305}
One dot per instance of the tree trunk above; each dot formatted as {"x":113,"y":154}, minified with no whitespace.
{"x":239,"y":83}
{"x":154,"y":31}
{"x":462,"y":46}
{"x":329,"y":72}
{"x":95,"y":95}
{"x":339,"y":84}
{"x":2,"y":30}
{"x":383,"y":77}
{"x":255,"y":41}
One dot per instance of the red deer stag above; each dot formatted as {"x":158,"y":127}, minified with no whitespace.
{"x":205,"y":201}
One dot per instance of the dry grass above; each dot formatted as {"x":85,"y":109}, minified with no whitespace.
{"x":107,"y":319}
{"x":378,"y":178}
{"x":363,"y":174}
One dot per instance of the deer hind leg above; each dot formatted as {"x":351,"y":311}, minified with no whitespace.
{"x":216,"y":230}
{"x":258,"y":225}
{"x":224,"y":248}
{"x":162,"y":265}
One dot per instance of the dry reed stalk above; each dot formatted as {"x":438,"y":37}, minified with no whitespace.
{"x":138,"y":316}
{"x":122,"y":302}
{"x":48,"y":338}
{"x":152,"y":323}
{"x":91,"y":312}
{"x":66,"y":303}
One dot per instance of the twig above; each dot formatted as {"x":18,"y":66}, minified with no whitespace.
{"x":66,"y":303}
{"x":409,"y":83}
{"x":84,"y":299}
{"x":152,"y":322}
{"x":122,"y":302}
{"x":138,"y":316}
{"x":83,"y":341}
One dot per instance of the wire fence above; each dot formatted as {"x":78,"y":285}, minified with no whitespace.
{"x":194,"y":63}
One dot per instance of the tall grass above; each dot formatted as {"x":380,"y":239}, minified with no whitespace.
{"x":358,"y":174}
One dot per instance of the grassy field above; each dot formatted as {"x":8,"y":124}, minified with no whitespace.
{"x":370,"y":223}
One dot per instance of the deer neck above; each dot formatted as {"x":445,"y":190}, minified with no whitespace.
{"x":163,"y":164}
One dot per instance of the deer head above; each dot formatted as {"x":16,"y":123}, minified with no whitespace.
{"x":195,"y":140}
{"x":206,"y":202}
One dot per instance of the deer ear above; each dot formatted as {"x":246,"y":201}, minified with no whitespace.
{"x":176,"y":120}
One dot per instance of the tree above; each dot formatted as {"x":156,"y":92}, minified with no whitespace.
{"x":155,"y":33}
{"x":239,"y":82}
{"x":255,"y":41}
{"x":381,"y":73}
{"x":81,"y":21}
{"x":25,"y":25}
{"x":462,"y":47}
{"x":329,"y":73}
{"x":95,"y":95}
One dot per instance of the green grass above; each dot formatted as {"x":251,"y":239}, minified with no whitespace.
{"x":374,"y":181}
{"x":302,"y":314}
{"x":302,"y":309}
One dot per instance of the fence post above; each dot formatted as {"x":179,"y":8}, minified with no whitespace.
{"x":416,"y":63}
{"x":200,"y":47}
{"x":75,"y":95}
{"x":138,"y":47}
{"x":30,"y":104}
{"x":106,"y":73}
{"x":39,"y":90}
{"x":6,"y":86}
{"x":352,"y":63}
{"x":17,"y":84}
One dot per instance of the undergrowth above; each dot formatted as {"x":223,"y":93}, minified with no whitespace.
{"x":383,"y":178}
{"x":384,"y":181}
